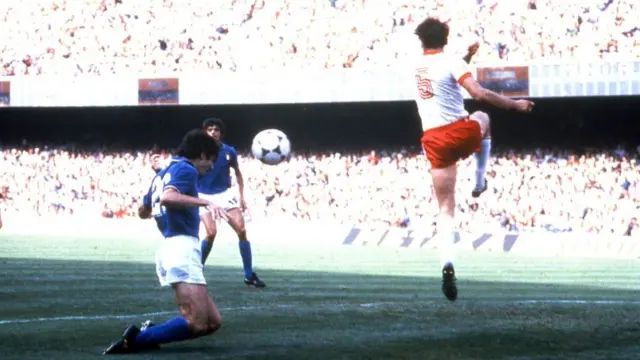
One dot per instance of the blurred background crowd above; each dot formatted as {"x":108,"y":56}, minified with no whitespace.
{"x":543,"y":190}
{"x":76,"y":37}
{"x":596,"y":192}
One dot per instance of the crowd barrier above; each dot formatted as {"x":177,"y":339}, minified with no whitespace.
{"x":327,"y":234}
{"x":565,"y":244}
{"x":539,"y":80}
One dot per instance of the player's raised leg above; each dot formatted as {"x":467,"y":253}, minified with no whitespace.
{"x":483,"y":156}
{"x":236,"y":221}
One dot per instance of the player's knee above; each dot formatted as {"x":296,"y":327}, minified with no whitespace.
{"x":199,"y":328}
{"x":211,"y":235}
{"x":205,"y":325}
{"x":483,"y":119}
{"x":481,"y":116}
{"x":448,"y":205}
{"x":240,"y":228}
{"x":214,"y":325}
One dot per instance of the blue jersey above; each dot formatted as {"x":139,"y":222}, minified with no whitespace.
{"x":182,"y":176}
{"x":218,"y":179}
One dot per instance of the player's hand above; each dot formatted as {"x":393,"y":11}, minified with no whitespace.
{"x":144,"y":212}
{"x":217,"y":212}
{"x":473,"y":48}
{"x":524,"y":106}
{"x":243,"y":205}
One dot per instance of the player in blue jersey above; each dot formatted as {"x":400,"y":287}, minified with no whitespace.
{"x":172,"y":200}
{"x":215,"y":186}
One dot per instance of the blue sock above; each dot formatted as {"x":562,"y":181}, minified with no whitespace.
{"x":245,"y":252}
{"x":482,"y":160}
{"x":173,"y":330}
{"x":205,"y":248}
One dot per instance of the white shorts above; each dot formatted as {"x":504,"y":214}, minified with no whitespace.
{"x":179,"y":259}
{"x":226,"y":200}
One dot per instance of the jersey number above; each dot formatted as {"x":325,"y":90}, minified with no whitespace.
{"x":424,"y":87}
{"x":157,"y":188}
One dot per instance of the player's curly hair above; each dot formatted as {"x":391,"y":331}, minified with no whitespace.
{"x":195,"y":143}
{"x":207,"y":123}
{"x":433,"y":33}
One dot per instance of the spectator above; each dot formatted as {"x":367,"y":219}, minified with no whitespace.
{"x":548,"y":191}
{"x":163,"y":37}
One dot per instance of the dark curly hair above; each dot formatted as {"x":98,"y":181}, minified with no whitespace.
{"x":433,"y":33}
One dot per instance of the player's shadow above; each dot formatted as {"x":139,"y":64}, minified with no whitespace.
{"x":63,"y":309}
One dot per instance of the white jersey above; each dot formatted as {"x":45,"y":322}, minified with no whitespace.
{"x":438,"y":93}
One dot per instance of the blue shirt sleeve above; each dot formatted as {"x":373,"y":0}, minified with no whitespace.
{"x":184,"y":179}
{"x":233,"y":158}
{"x":146,"y":200}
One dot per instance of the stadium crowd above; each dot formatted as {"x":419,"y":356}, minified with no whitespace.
{"x":77,"y":37}
{"x":597,"y":193}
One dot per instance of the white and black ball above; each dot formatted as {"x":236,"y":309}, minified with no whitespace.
{"x":271,"y":146}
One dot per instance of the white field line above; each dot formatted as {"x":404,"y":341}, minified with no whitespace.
{"x":328,"y":307}
{"x":127,"y":316}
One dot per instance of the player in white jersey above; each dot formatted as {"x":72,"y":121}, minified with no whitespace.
{"x":450,"y":132}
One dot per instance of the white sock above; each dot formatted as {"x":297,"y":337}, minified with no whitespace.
{"x":482,"y":160}
{"x":446,"y":240}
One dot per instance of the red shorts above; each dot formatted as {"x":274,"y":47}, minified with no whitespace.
{"x":445,"y":145}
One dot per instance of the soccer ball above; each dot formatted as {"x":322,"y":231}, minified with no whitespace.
{"x":271,"y":146}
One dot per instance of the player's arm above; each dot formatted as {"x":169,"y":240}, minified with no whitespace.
{"x":236,"y":169}
{"x":181,"y":182}
{"x":171,"y":197}
{"x":479,"y":93}
{"x":462,"y":73}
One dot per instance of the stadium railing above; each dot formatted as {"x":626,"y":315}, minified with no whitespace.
{"x":573,"y":79}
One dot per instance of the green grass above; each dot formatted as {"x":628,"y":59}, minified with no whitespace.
{"x":323,"y":302}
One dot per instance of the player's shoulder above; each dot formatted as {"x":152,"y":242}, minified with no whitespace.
{"x":181,"y":165}
{"x":440,"y":59}
{"x":228,"y":148}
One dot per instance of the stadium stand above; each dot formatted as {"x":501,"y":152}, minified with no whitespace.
{"x":69,"y":37}
{"x":597,"y":193}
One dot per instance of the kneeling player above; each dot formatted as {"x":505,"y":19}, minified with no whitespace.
{"x":173,"y":201}
{"x":450,"y":133}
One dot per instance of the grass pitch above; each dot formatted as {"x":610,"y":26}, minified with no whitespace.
{"x":68,"y":298}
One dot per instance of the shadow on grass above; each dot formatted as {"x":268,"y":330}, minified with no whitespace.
{"x":66,"y":309}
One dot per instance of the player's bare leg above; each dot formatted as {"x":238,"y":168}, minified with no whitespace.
{"x":211,"y":229}
{"x":197,"y":308}
{"x":236,"y":221}
{"x":483,"y":156}
{"x":444,"y":183}
{"x":199,"y":317}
